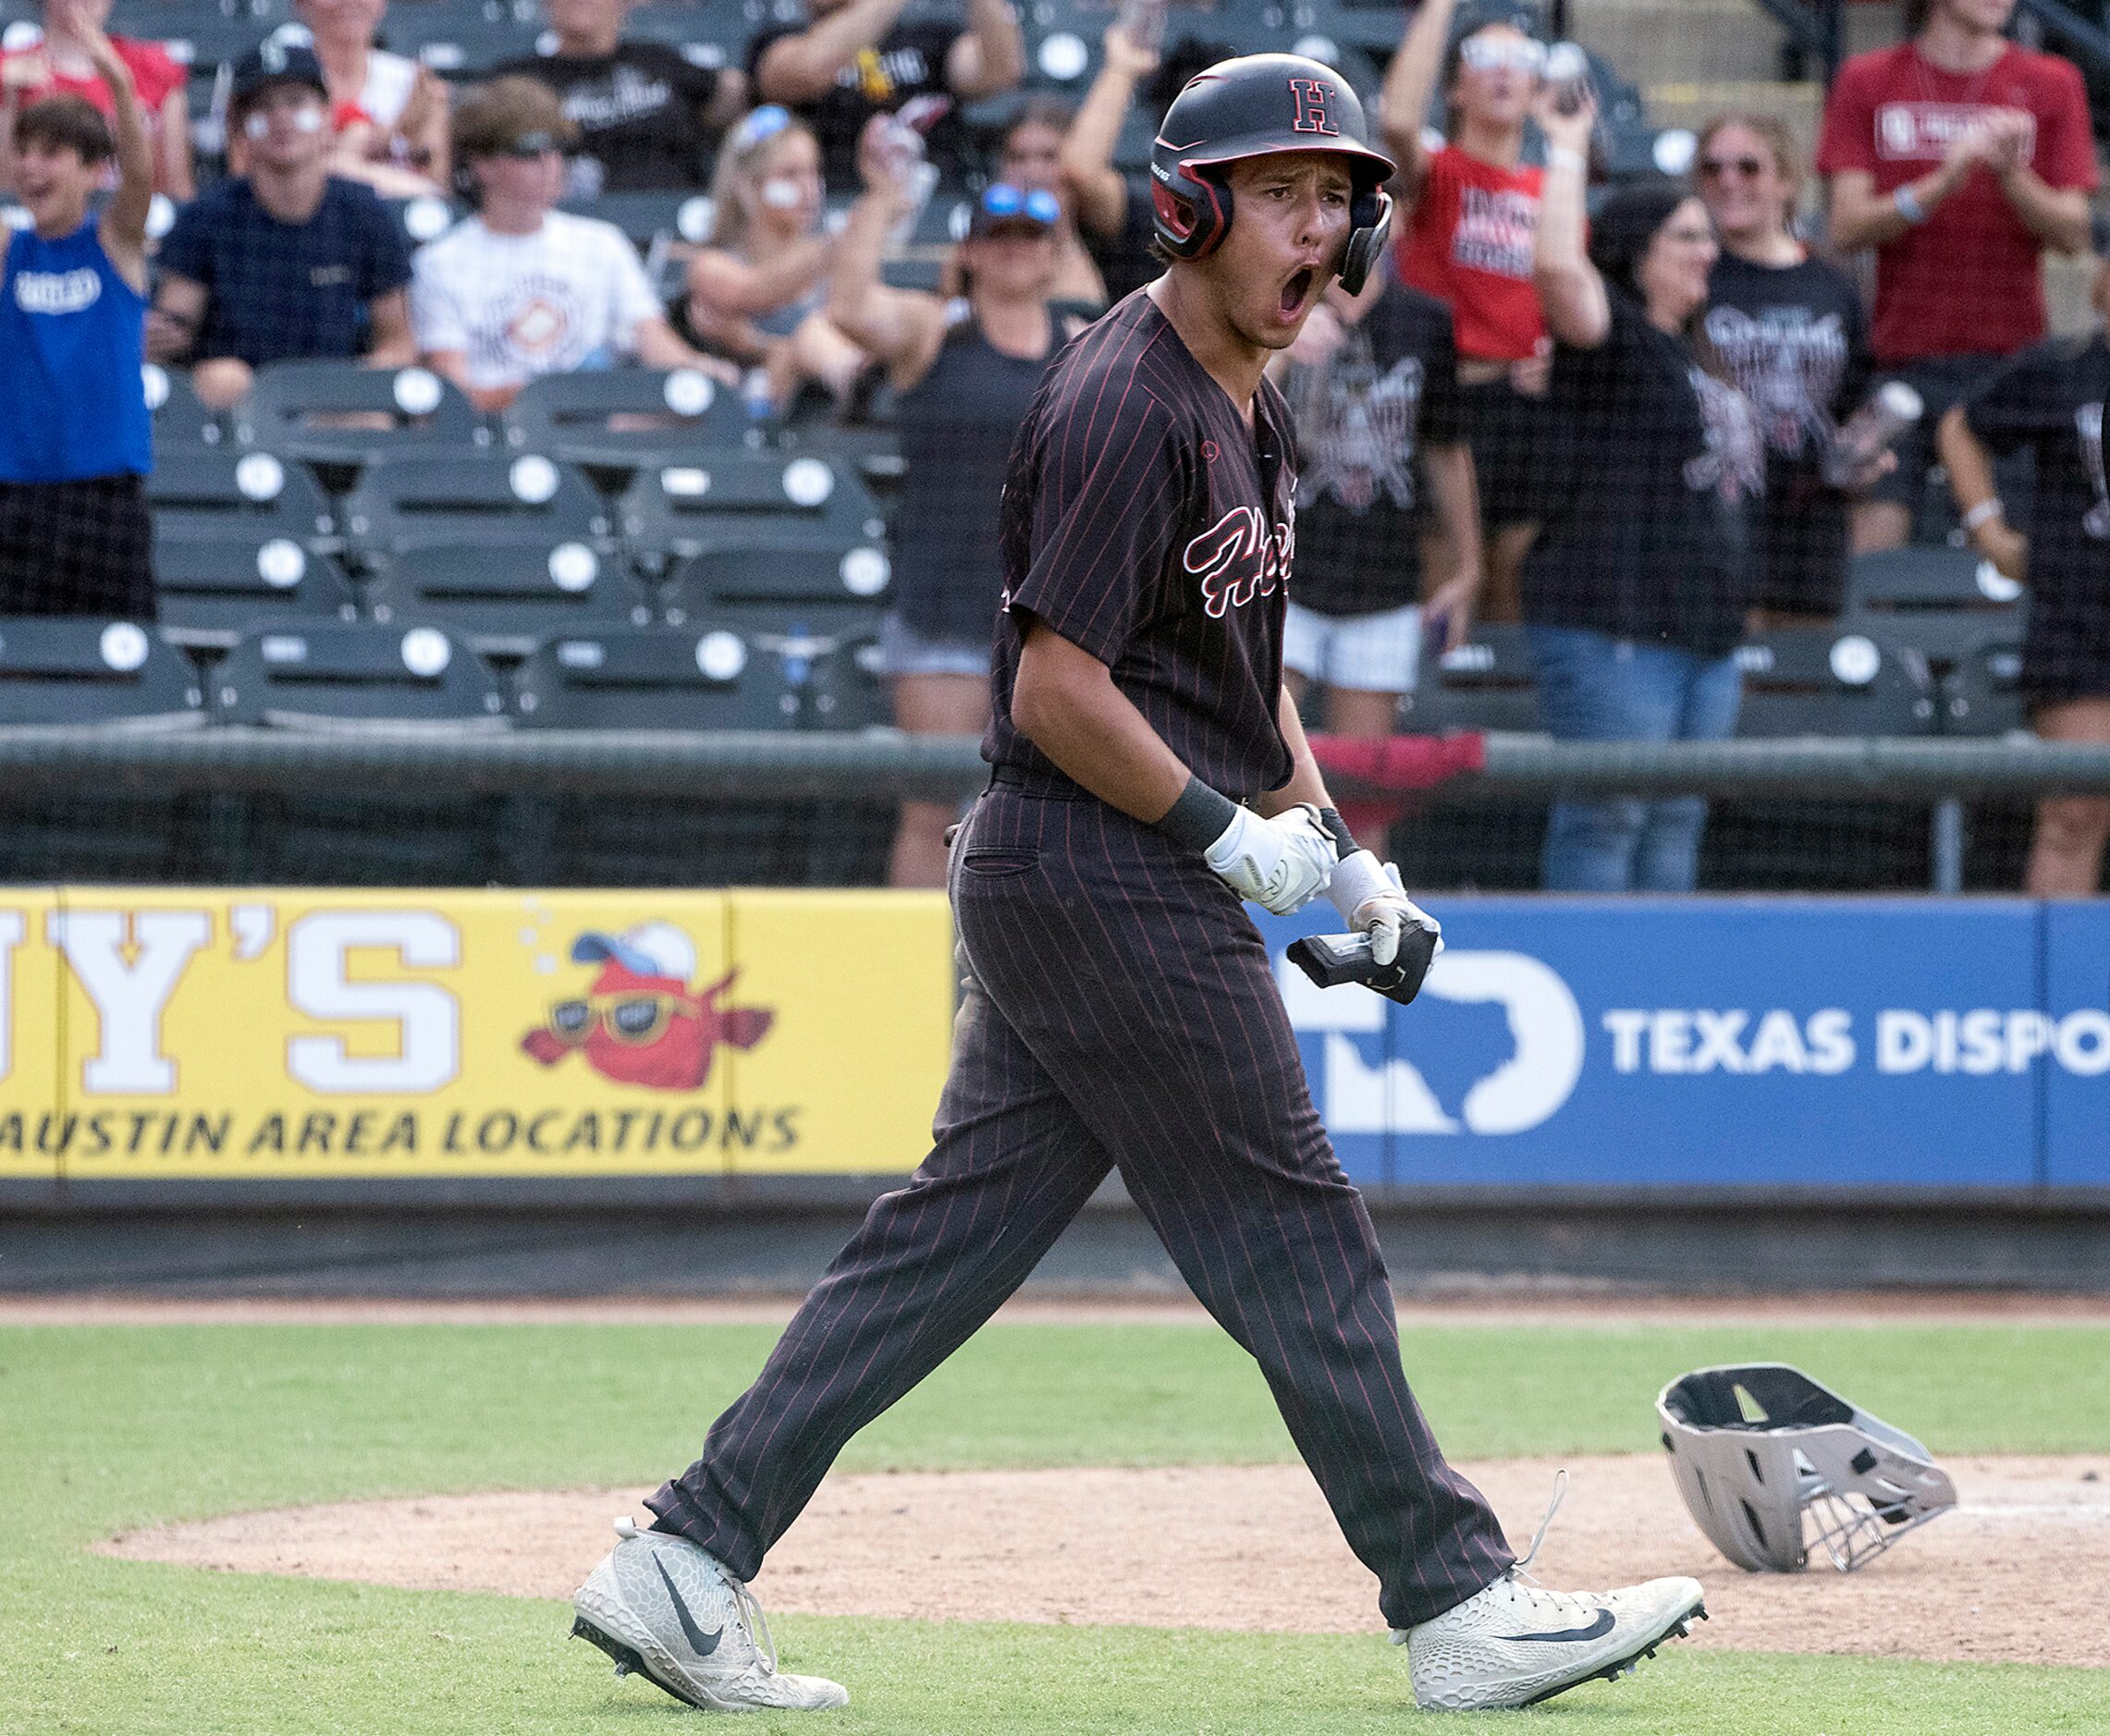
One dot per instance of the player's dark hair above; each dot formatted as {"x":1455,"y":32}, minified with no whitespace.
{"x":66,"y":123}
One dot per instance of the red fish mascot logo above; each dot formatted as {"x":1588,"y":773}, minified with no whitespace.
{"x":640,"y":1022}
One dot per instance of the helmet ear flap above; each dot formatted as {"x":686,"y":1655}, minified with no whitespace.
{"x":1372,"y":216}
{"x":1191,"y":221}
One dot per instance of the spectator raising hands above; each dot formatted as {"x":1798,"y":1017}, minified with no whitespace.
{"x":965,"y":379}
{"x":62,"y":63}
{"x":757,"y":291}
{"x":288,"y":261}
{"x":522,"y":289}
{"x":647,"y":119}
{"x":75,"y":438}
{"x":856,"y":58}
{"x":1634,"y":593}
{"x":388,"y":113}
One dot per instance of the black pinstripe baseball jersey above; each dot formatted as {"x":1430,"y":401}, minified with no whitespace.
{"x":1146,"y":522}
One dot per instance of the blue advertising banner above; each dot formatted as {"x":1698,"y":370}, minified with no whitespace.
{"x":2077,"y":1032}
{"x":1717,"y":1042}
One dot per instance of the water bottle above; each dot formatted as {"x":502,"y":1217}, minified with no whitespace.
{"x":1871,"y":431}
{"x":1568,"y":83}
{"x":1143,"y":22}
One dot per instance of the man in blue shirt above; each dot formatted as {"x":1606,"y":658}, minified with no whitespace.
{"x":289,"y":262}
{"x":75,"y":437}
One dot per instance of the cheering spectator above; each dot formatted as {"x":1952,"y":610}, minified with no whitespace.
{"x":1789,"y":330}
{"x":964,"y":379}
{"x":1373,"y":381}
{"x":520,"y":289}
{"x":1472,"y":207}
{"x":1634,"y":593}
{"x":387,"y":112}
{"x":288,"y":261}
{"x":856,"y":58}
{"x":2047,"y":402}
{"x":758,"y":290}
{"x":648,"y":119}
{"x":62,"y":64}
{"x":75,"y":437}
{"x":1959,"y":158}
{"x":1030,"y":157}
{"x":1114,"y":212}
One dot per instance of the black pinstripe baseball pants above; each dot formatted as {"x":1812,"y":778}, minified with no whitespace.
{"x":1118,"y":1012}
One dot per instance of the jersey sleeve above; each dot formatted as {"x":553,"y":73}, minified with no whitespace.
{"x":437,"y":316}
{"x":1112,"y":476}
{"x":1847,"y":138}
{"x":2065,"y":155}
{"x":1441,"y":423}
{"x":386,"y":253}
{"x":2025,"y":401}
{"x":186,"y":251}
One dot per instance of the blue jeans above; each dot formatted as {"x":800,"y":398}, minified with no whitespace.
{"x":1595,"y":687}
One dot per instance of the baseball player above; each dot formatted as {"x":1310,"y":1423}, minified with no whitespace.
{"x":1119,"y":1009}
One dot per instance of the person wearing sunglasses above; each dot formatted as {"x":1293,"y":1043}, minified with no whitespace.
{"x":520,"y":289}
{"x":1788,"y":328}
{"x":1472,"y":207}
{"x":756,"y":292}
{"x":965,"y":372}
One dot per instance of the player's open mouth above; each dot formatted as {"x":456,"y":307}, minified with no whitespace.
{"x":1295,"y":291}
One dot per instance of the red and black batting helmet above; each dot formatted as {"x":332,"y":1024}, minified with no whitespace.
{"x":1256,"y":106}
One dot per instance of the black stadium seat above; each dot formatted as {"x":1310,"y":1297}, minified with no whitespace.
{"x":406,"y":500}
{"x":338,"y":676}
{"x":757,"y":498}
{"x":211,"y":592}
{"x":1490,"y":682}
{"x":662,"y":677}
{"x":339,"y":412}
{"x":679,"y":214}
{"x":507,"y":599}
{"x":822,"y":578}
{"x":71,"y":669}
{"x":625,"y":418}
{"x":223,"y":493}
{"x":1982,"y":695}
{"x":1816,"y":681}
{"x":180,"y":420}
{"x":1948,"y":603}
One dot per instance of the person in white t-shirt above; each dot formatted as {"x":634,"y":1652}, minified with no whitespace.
{"x":520,"y":289}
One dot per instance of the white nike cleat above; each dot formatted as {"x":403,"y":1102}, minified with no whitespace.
{"x":667,"y":1609}
{"x":1514,"y":1644}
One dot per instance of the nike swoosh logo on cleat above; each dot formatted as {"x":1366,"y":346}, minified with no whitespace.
{"x":1596,"y":1631}
{"x":705,"y":1643}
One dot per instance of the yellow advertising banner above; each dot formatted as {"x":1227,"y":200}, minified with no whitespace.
{"x":252,"y":1034}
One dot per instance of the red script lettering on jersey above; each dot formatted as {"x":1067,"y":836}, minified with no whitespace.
{"x":1238,"y":558}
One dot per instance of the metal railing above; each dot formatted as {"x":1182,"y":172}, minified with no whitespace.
{"x":383,"y":760}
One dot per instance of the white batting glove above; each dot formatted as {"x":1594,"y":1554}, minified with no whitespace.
{"x":1280,"y":863}
{"x":1369,"y":897}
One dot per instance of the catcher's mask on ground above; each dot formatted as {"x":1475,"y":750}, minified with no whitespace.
{"x":1754,"y":1447}
{"x":1253,"y":107}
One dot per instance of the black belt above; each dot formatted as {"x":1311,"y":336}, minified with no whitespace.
{"x":1048,"y":786}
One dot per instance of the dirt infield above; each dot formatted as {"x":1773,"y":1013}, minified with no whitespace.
{"x":2013,"y":1574}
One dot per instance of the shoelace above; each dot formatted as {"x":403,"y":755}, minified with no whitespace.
{"x":1519,"y":1574}
{"x":757,"y":1624}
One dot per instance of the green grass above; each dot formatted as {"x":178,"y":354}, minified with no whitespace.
{"x":105,"y":1428}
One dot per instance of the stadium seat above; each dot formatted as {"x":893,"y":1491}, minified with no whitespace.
{"x":823,"y":577}
{"x":340,"y":412}
{"x":1982,"y":695}
{"x":1948,"y":603}
{"x":73,"y":670}
{"x":211,"y":592}
{"x":625,"y":418}
{"x":677,"y":214}
{"x":1819,"y":682}
{"x":222,"y":494}
{"x":715,"y":678}
{"x":762,"y":499}
{"x":338,"y":676}
{"x":1490,"y":682}
{"x":507,"y":600}
{"x":458,"y":39}
{"x":180,"y":420}
{"x":405,"y":501}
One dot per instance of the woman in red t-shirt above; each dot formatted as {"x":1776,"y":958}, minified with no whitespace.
{"x":1473,"y":212}
{"x":60,"y":65}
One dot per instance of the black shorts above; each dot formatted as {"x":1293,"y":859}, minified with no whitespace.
{"x":2065,"y":652}
{"x":1800,"y":551}
{"x":1506,"y":429}
{"x":76,"y":548}
{"x":1943,"y":383}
